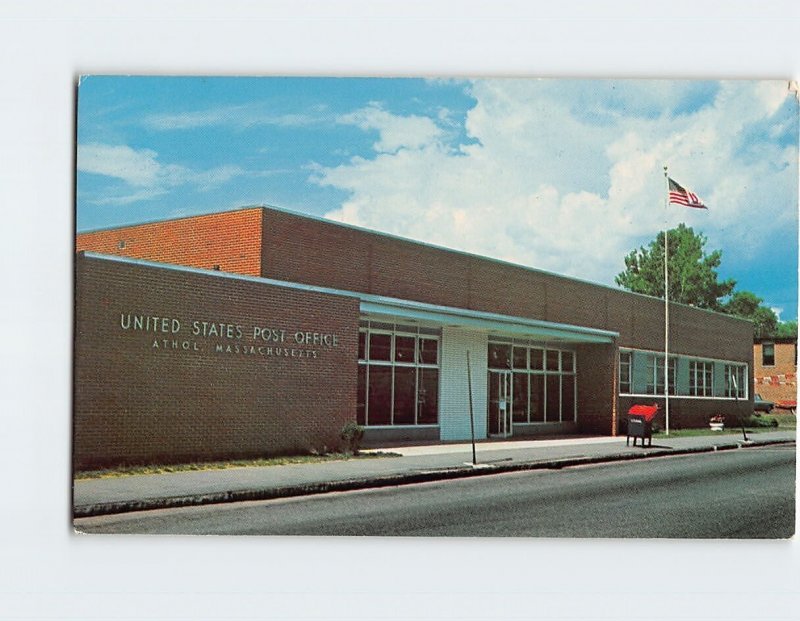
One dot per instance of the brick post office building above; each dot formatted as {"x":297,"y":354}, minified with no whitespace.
{"x":260,"y":331}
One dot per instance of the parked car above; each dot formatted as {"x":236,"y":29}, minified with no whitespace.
{"x":760,"y":405}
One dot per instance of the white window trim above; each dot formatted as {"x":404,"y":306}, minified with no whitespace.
{"x":688,"y":357}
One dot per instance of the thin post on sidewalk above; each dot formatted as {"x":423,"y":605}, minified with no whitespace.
{"x":735,"y":383}
{"x":471,"y":415}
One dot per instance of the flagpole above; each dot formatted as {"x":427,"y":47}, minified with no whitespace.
{"x":666,"y":301}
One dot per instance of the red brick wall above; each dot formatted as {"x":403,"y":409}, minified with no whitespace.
{"x":596,"y":376}
{"x":135,"y":403}
{"x":777,"y":382}
{"x":299,"y":249}
{"x":231,"y":240}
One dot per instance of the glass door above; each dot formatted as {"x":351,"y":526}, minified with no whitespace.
{"x":499,"y":415}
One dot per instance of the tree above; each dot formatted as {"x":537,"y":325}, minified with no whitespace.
{"x":693,"y":277}
{"x":786,"y":330}
{"x":748,"y":305}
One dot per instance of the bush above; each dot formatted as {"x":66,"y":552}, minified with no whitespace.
{"x":352,"y":433}
{"x":761,"y":421}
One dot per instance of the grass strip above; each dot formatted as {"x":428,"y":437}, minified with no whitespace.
{"x":123,"y":471}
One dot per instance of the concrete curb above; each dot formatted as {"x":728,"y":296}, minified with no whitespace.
{"x":406,"y":478}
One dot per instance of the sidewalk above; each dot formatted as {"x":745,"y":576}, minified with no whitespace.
{"x":415,"y":464}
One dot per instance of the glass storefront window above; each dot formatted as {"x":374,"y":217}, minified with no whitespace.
{"x":405,"y":391}
{"x":428,"y":396}
{"x":380,"y":346}
{"x":398,"y":376}
{"x":624,"y":372}
{"x":537,"y":359}
{"x":428,"y":349}
{"x":567,"y":397}
{"x":499,"y":356}
{"x":537,"y":399}
{"x":520,"y":357}
{"x":520,"y":397}
{"x":553,"y":398}
{"x":380,"y":395}
{"x":361,"y":395}
{"x":543,"y":380}
{"x":404,"y":348}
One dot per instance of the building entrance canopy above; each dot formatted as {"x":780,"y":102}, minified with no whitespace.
{"x":390,"y":309}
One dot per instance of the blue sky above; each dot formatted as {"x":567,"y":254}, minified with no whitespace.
{"x":562,"y":175}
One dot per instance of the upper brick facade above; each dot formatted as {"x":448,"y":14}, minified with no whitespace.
{"x":285,"y":246}
{"x":300,"y":249}
{"x":228,"y":241}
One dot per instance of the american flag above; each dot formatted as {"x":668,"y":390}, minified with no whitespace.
{"x":681,"y":196}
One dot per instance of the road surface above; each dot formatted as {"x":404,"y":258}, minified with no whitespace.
{"x":745,"y":493}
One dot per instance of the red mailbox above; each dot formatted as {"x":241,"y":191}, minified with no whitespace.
{"x":640,"y":423}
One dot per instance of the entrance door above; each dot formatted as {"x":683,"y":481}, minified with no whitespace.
{"x":499,"y":415}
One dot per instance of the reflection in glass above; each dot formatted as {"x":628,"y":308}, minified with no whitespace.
{"x":405,"y":390}
{"x":380,"y":395}
{"x":520,"y":411}
{"x":428,"y":351}
{"x":568,"y":397}
{"x":380,"y":346}
{"x":537,"y":399}
{"x":499,"y":356}
{"x":361,"y":395}
{"x":553,"y":397}
{"x":520,"y":357}
{"x":404,"y":348}
{"x":428,"y":398}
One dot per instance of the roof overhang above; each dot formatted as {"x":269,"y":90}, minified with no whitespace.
{"x":388,"y":309}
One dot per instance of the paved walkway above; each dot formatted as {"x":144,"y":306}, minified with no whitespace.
{"x":415,"y":463}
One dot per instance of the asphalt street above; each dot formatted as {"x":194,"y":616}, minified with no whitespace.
{"x":746,"y":493}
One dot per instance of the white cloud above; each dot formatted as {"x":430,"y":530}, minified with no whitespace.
{"x":396,"y":132}
{"x":242,"y":116}
{"x":143,"y":175}
{"x":567,"y":175}
{"x":137,"y":168}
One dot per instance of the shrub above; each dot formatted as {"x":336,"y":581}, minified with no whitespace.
{"x":352,"y":433}
{"x":761,"y":421}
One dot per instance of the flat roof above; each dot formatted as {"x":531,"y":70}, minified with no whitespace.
{"x":390,"y":308}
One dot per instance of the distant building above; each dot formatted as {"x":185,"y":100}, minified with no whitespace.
{"x":260,"y":331}
{"x":775,"y":369}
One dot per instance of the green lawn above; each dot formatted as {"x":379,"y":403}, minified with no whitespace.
{"x":785,"y":422}
{"x":122,"y":471}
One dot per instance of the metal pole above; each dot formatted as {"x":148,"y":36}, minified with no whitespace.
{"x":666,"y":302}
{"x":736,"y":400}
{"x":471,"y":415}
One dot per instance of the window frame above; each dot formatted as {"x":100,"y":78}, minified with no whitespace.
{"x":394,"y":331}
{"x":536,"y":365}
{"x":629,"y":366}
{"x":764,"y":346}
{"x":742,"y":386}
{"x":696,"y":373}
